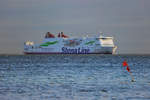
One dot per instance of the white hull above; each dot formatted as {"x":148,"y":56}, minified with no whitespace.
{"x":110,"y":51}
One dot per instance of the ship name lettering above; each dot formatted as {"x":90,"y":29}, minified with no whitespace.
{"x":75,"y":51}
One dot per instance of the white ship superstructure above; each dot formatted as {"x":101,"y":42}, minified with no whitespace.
{"x":62,"y":44}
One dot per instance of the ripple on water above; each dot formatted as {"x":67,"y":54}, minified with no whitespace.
{"x":74,"y":77}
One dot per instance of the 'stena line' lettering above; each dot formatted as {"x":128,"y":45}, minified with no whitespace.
{"x":75,"y":51}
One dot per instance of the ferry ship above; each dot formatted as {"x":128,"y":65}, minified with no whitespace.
{"x":62,"y":44}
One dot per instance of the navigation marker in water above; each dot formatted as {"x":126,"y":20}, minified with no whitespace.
{"x":125,"y":64}
{"x":128,"y":69}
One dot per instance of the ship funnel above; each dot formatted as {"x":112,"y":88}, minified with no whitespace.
{"x":64,"y":36}
{"x":49,"y":35}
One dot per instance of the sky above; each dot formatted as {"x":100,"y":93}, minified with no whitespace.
{"x":128,"y":21}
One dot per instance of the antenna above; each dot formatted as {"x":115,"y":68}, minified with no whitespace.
{"x":101,"y":33}
{"x":87,"y":34}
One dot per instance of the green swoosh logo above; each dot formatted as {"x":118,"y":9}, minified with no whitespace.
{"x":49,"y":43}
{"x":90,"y":42}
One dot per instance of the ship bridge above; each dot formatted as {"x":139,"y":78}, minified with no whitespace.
{"x":107,"y":41}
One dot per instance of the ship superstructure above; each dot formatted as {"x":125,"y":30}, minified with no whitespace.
{"x":62,"y":44}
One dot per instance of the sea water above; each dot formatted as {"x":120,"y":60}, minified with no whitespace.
{"x":74,"y":77}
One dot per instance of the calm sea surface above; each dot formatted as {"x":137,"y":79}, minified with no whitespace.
{"x":74,"y":77}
